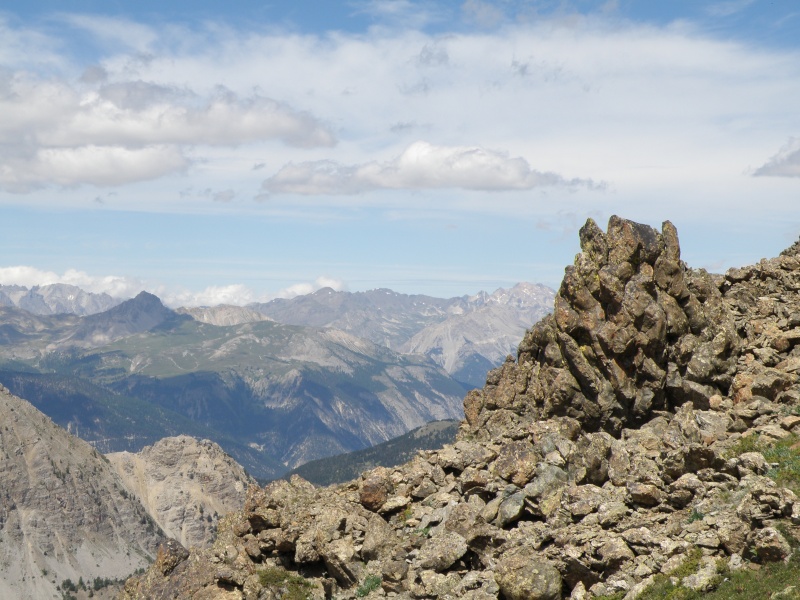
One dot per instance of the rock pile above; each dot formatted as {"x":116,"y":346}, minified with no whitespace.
{"x":605,"y":454}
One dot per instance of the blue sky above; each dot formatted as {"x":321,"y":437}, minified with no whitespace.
{"x":233,"y":152}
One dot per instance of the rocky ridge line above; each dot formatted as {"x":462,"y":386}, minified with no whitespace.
{"x":603,"y":455}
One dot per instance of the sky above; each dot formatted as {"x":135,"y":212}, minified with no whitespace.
{"x":235,"y":152}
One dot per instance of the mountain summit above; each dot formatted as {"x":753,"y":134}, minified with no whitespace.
{"x":623,"y":448}
{"x":143,"y":313}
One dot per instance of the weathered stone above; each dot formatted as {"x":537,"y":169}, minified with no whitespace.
{"x":522,"y":575}
{"x":516,"y":462}
{"x":769,"y":545}
{"x":441,"y":551}
{"x":374,"y":489}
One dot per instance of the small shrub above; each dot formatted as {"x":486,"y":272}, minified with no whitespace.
{"x":695,"y":515}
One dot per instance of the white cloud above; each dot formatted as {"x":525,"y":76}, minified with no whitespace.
{"x":95,"y":165}
{"x":300,"y":289}
{"x":421,"y":166}
{"x":786,"y":163}
{"x":117,"y":133}
{"x":664,"y":110}
{"x":123,"y":287}
{"x":113,"y":285}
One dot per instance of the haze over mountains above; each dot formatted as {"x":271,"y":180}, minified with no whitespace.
{"x":338,"y":377}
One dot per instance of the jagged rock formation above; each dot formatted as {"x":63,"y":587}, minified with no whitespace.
{"x":185,"y":484}
{"x":55,"y":298}
{"x":602,"y":456}
{"x":633,"y":331}
{"x":64,"y":512}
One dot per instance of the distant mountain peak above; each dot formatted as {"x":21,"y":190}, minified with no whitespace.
{"x":137,"y":315}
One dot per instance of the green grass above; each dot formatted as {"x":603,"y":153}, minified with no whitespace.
{"x":754,"y":582}
{"x":294,"y":586}
{"x":785,"y":454}
{"x":372,"y":582}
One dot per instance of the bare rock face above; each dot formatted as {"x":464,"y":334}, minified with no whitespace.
{"x":603,"y":456}
{"x":223,"y":314}
{"x":633,"y":331}
{"x":64,"y":512}
{"x":185,"y":485}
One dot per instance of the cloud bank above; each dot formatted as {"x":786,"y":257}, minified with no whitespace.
{"x":124,"y":287}
{"x":108,"y":134}
{"x":420,"y":166}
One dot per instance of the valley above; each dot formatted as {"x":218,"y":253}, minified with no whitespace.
{"x":345,"y":371}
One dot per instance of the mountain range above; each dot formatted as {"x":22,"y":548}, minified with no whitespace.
{"x":272,"y":395}
{"x":643,"y":444}
{"x":139,"y":371}
{"x":466,"y":335}
{"x":55,"y":298}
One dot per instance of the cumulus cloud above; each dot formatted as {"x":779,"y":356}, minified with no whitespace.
{"x":123,"y":287}
{"x":116,"y":133}
{"x":300,"y":289}
{"x":113,"y":285}
{"x":421,"y":166}
{"x":95,"y":165}
{"x":786,"y":163}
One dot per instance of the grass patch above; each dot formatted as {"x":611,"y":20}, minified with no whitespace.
{"x":294,"y":586}
{"x":785,"y":454}
{"x":746,"y":443}
{"x":767,"y":582}
{"x":372,"y":582}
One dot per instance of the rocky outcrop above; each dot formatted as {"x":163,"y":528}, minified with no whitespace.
{"x":633,"y":331}
{"x":610,"y":451}
{"x":185,"y":484}
{"x":64,"y":513}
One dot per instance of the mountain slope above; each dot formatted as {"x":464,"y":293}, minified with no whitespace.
{"x":64,"y":512}
{"x":466,"y":335}
{"x":185,"y":484}
{"x":223,"y":314}
{"x":139,"y":314}
{"x":296,"y":393}
{"x":301,"y":393}
{"x":344,"y":467}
